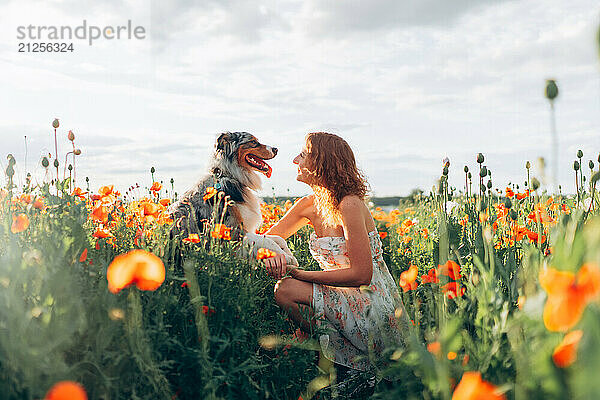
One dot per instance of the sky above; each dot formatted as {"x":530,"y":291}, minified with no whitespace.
{"x":407,"y":84}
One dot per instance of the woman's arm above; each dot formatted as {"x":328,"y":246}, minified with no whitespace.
{"x":360,"y":271}
{"x":293,"y":220}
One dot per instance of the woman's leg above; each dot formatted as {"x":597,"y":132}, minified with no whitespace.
{"x":289,"y":294}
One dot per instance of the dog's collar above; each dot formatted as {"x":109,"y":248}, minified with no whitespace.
{"x":216,"y":172}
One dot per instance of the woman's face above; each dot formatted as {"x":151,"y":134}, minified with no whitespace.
{"x":304,"y":174}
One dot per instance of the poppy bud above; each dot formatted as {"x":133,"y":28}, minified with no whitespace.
{"x":469,"y":175}
{"x":55,"y":163}
{"x":480,"y":158}
{"x":445,"y":171}
{"x":527,"y":165}
{"x":87,"y":179}
{"x":77,"y":152}
{"x":71,"y":136}
{"x":576,"y":165}
{"x":507,"y":203}
{"x":55,"y":123}
{"x":45,"y":162}
{"x":152,"y":170}
{"x":591,"y":164}
{"x":483,"y":187}
{"x":551,"y":89}
{"x":446,"y":162}
{"x":466,"y":169}
{"x":10,"y":171}
{"x":514,"y":215}
{"x":489,"y":184}
{"x":489,"y":172}
{"x":172,"y":180}
{"x":483,"y":171}
{"x":535,"y":184}
{"x":70,"y":167}
{"x":579,"y":153}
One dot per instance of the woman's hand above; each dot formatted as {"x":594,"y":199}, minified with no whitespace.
{"x":277,"y":267}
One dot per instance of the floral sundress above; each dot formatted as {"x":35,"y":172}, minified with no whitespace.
{"x":356,"y":319}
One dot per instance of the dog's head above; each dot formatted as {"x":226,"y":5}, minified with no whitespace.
{"x":246,"y":150}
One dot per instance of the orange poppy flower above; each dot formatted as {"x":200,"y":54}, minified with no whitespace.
{"x":450,"y":269}
{"x":192,"y":238}
{"x":155,"y":187}
{"x":165,"y":202}
{"x":25,"y":198}
{"x":106,"y":190}
{"x":434,"y":348}
{"x":408,"y":278}
{"x":138,"y":267}
{"x":210,"y":192}
{"x":20,"y":223}
{"x":79,"y":193}
{"x":263,"y":253}
{"x":100,"y":213}
{"x":472,"y":387}
{"x":509,"y":192}
{"x":565,"y":353}
{"x":521,"y":196}
{"x":453,"y":289}
{"x":39,"y":203}
{"x":568,"y":295}
{"x":452,"y":355}
{"x":383,"y":235}
{"x":149,"y":208}
{"x":431,"y":277}
{"x":102,"y":233}
{"x":66,"y":390}
{"x":221,"y":231}
{"x":83,"y":256}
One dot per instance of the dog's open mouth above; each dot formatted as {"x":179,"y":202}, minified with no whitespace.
{"x":259,"y":164}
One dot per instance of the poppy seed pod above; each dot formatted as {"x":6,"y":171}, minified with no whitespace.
{"x":469,"y":175}
{"x":483,"y":188}
{"x":514,"y":215}
{"x":551,"y":89}
{"x":507,"y":203}
{"x":55,"y":163}
{"x":527,"y":165}
{"x":45,"y":162}
{"x":535,"y":184}
{"x":466,"y":169}
{"x":70,"y":167}
{"x":489,"y":184}
{"x":576,"y":165}
{"x":77,"y":152}
{"x":152,"y":170}
{"x":71,"y":136}
{"x":480,"y":158}
{"x":55,"y":123}
{"x":579,"y":153}
{"x":483,"y":172}
{"x":591,"y":164}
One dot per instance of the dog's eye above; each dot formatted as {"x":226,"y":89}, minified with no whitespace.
{"x":254,"y":143}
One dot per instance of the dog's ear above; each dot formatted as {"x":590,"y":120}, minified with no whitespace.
{"x":222,"y":141}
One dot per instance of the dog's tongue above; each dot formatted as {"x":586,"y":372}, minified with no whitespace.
{"x":268,"y":172}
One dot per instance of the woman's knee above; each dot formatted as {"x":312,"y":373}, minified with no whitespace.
{"x":284,"y":291}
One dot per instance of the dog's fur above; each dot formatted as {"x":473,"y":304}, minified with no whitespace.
{"x":234,"y":165}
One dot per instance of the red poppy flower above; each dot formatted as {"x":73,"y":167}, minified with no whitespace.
{"x":453,"y":289}
{"x":450,"y":269}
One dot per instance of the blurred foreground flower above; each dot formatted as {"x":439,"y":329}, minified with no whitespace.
{"x":66,"y":390}
{"x":192,"y":238}
{"x":568,"y":295}
{"x":472,"y":387}
{"x":138,"y":267}
{"x":20,"y":223}
{"x":565,"y":353}
{"x":408,"y":278}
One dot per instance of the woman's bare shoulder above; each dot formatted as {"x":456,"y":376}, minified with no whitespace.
{"x":352,"y":202}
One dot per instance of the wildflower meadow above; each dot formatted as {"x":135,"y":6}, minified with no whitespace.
{"x":98,"y":300}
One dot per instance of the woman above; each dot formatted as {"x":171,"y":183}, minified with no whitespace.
{"x":354,"y":291}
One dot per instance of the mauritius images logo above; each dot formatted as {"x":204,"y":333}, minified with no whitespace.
{"x":90,"y":33}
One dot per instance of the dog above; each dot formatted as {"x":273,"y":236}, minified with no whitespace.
{"x":233,"y":170}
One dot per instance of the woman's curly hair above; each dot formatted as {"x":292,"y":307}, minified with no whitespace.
{"x":336,"y":175}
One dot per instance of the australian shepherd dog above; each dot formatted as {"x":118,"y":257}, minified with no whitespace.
{"x":233,"y":169}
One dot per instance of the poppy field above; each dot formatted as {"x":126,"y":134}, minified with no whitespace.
{"x":98,"y":301}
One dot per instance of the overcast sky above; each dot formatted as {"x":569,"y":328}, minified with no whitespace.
{"x":407,"y":83}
